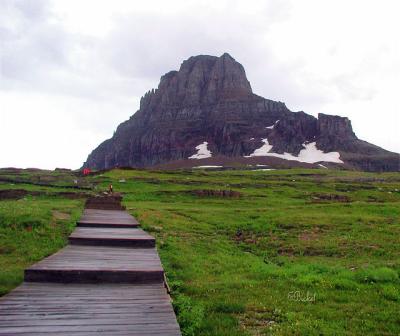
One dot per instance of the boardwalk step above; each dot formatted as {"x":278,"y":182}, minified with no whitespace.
{"x":107,"y":218}
{"x":87,"y":309}
{"x":98,"y":264}
{"x":111,"y":237}
{"x":110,"y":202}
{"x":108,"y":281}
{"x":103,"y":224}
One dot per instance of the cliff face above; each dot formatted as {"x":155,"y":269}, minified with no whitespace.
{"x":210,"y":100}
{"x":335,"y":133}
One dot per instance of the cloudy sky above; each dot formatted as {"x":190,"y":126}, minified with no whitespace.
{"x":72,"y":70}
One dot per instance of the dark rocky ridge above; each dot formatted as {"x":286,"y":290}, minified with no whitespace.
{"x":210,"y":99}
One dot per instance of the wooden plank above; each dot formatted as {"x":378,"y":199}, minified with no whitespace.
{"x":108,"y":281}
{"x":114,"y":213}
{"x":107,"y":218}
{"x":111,"y":237}
{"x":81,"y":315}
{"x":106,"y":225}
{"x":110,"y":232}
{"x":76,"y":263}
{"x":96,"y":276}
{"x":107,"y":213}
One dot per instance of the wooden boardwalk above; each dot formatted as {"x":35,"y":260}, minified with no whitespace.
{"x":108,"y":281}
{"x":111,"y":237}
{"x":107,"y":218}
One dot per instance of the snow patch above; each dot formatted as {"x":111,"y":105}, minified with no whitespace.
{"x":202,"y":152}
{"x":321,"y":165}
{"x":272,"y":126}
{"x":312,"y":154}
{"x":263,"y":150}
{"x":208,"y":167}
{"x":309,"y":154}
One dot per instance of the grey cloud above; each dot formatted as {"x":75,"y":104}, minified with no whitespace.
{"x":42,"y":56}
{"x":146,"y":47}
{"x":33,"y":9}
{"x":37,"y":55}
{"x":350,"y":90}
{"x":32,"y":47}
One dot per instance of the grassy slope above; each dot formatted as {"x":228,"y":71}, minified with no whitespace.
{"x":234,"y":263}
{"x":33,"y":227}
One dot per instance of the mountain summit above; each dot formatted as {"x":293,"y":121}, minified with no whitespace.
{"x":206,"y":113}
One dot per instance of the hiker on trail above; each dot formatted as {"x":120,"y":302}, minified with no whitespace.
{"x":110,"y":189}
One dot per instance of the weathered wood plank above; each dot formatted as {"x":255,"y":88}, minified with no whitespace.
{"x":111,"y":237}
{"x":77,"y":263}
{"x":107,"y":218}
{"x":109,"y":281}
{"x":90,"y":312}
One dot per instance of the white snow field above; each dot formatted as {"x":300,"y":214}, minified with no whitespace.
{"x":309,"y":154}
{"x":202,"y":152}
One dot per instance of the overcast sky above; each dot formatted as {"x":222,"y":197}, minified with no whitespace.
{"x":72,"y":70}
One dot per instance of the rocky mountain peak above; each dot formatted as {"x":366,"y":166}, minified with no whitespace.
{"x":329,"y":125}
{"x":335,"y":132}
{"x":201,"y":79}
{"x":207,"y":106}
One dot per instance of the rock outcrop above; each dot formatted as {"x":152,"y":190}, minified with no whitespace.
{"x":209,"y":102}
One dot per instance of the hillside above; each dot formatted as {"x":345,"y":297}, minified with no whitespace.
{"x":283,"y":252}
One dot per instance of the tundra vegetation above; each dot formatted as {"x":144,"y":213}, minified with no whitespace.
{"x":281,"y":252}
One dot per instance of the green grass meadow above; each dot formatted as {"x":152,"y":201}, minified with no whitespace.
{"x":293,"y":252}
{"x":34,"y":226}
